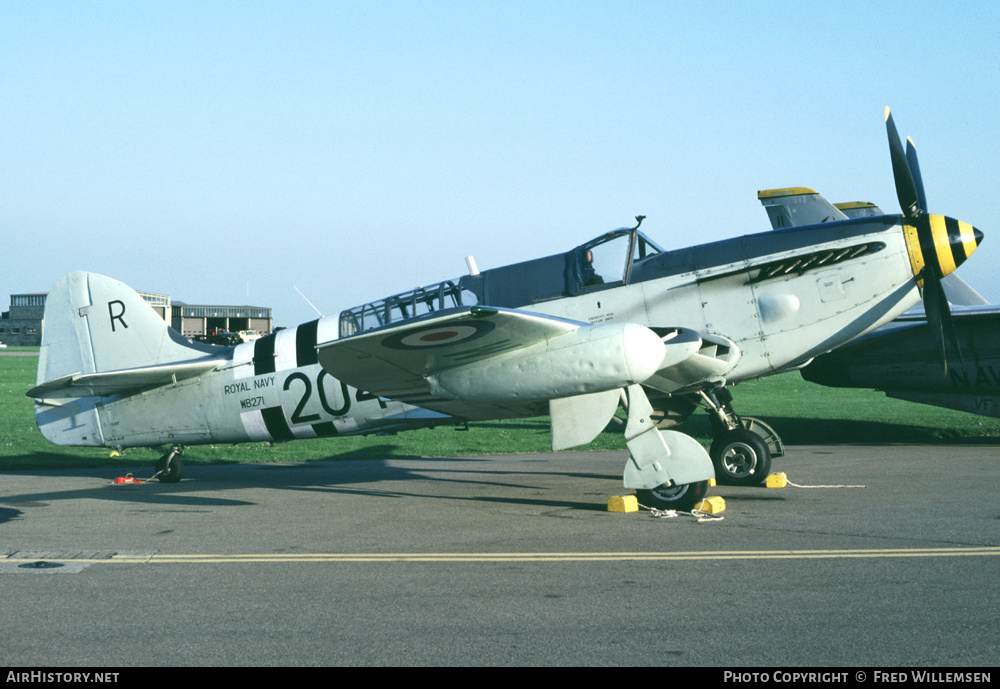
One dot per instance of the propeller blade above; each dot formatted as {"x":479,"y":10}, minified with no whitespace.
{"x":944,"y":243}
{"x":906,"y":189}
{"x":939,"y":318}
{"x":934,"y":306}
{"x":948,"y":326}
{"x":911,"y":160}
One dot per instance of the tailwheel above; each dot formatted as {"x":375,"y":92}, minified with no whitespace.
{"x":741,"y":458}
{"x":169,"y":467}
{"x":681,"y":497}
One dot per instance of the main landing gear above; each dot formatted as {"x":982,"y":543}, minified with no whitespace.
{"x":668,"y":470}
{"x":743,"y":446}
{"x":681,"y":497}
{"x":169,"y":467}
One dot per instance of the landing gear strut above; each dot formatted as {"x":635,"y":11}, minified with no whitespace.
{"x":169,"y":467}
{"x":667,"y":469}
{"x":743,"y":447}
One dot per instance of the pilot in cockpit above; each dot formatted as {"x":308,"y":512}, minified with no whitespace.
{"x":589,"y":274}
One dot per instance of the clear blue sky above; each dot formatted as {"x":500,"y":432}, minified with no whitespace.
{"x":215,"y":150}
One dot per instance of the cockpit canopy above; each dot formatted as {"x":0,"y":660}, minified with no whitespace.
{"x":610,"y":260}
{"x":606,"y":261}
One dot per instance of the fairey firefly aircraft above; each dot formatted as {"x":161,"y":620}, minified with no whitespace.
{"x":615,"y":321}
{"x":902,"y":360}
{"x":938,"y":355}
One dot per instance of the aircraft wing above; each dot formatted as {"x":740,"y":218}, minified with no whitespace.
{"x":124,"y":381}
{"x":479,"y":362}
{"x":961,"y":293}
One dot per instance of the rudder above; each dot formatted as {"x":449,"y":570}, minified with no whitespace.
{"x":95,"y":324}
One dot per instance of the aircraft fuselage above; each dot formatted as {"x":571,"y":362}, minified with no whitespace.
{"x":780,"y":297}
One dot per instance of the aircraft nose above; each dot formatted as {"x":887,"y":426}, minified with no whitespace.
{"x":973,"y":242}
{"x":942,"y":242}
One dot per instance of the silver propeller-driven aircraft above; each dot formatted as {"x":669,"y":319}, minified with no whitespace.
{"x":936,"y":355}
{"x":616,"y":321}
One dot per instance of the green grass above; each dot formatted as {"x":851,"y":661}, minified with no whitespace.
{"x":801,"y":412}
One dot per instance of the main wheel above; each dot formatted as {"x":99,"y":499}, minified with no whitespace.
{"x":170,"y":469}
{"x":682,"y":497}
{"x":741,"y":458}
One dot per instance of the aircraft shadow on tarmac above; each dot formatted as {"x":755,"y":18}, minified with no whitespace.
{"x":338,"y":474}
{"x":8,"y":514}
{"x":353,"y":477}
{"x":458,"y":476}
{"x":351,"y":472}
{"x":799,"y":431}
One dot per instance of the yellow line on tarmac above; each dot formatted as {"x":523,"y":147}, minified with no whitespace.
{"x":167,"y":558}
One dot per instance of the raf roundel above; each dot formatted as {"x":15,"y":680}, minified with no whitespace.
{"x":438,"y":336}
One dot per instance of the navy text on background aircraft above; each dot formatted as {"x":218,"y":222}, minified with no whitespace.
{"x":902,"y":361}
{"x":616,"y":321}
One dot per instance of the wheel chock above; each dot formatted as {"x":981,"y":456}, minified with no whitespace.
{"x":712,"y":505}
{"x":127,"y":479}
{"x":777,"y":480}
{"x":711,"y":483}
{"x":623,"y":503}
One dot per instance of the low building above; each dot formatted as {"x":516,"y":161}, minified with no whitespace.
{"x":195,"y":320}
{"x":24,"y":323}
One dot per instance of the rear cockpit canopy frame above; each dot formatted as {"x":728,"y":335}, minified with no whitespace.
{"x":601,"y":263}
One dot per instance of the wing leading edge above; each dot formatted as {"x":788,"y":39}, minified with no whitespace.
{"x":478,"y":362}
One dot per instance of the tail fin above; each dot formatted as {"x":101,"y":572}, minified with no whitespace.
{"x":797,"y":206}
{"x":100,"y":338}
{"x":95,"y":324}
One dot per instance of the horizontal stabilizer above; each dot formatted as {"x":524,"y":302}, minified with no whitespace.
{"x":122,"y":382}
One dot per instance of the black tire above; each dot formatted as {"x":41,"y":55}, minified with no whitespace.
{"x":683,"y":497}
{"x":741,"y":458}
{"x":173,"y":469}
